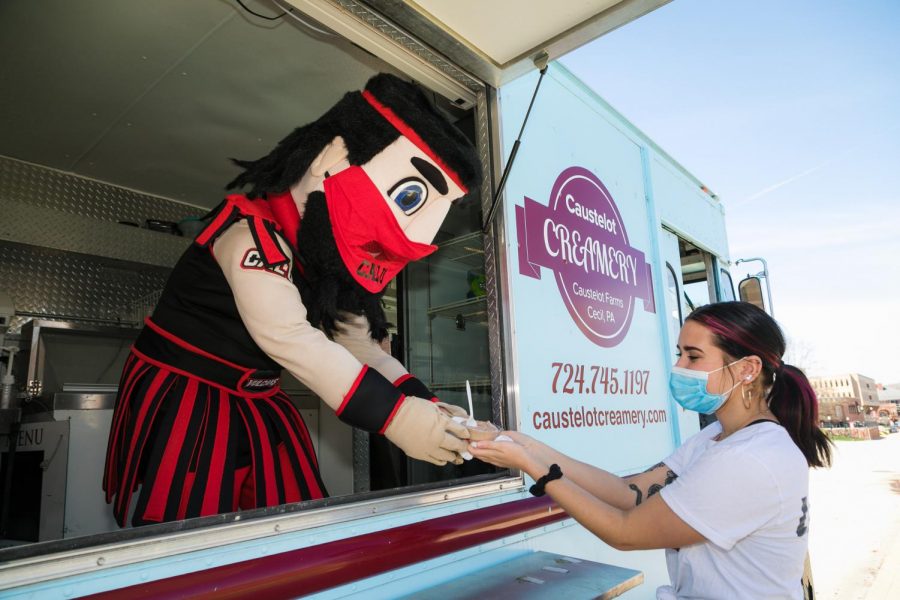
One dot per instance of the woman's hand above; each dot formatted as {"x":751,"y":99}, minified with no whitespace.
{"x":536,"y":449}
{"x":520,"y":438}
{"x":511,"y":455}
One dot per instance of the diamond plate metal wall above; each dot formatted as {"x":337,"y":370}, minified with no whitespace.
{"x":492,"y":290}
{"x":110,"y":273}
{"x":64,"y":192}
{"x":362,"y":482}
{"x":47,"y":228}
{"x":71,"y":286}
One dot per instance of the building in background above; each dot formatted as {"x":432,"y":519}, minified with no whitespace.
{"x":889,"y":400}
{"x":846,"y":398}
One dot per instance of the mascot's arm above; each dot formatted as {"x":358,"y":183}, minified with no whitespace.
{"x":273,"y":312}
{"x":353,"y":334}
{"x":271,"y":309}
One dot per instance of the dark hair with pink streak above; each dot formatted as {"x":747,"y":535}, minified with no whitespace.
{"x":741,"y":329}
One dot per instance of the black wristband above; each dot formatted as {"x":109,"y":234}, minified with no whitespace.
{"x":371,"y":402}
{"x":414,"y":387}
{"x":538,"y":488}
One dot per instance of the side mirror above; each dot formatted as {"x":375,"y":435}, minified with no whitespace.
{"x":750,"y":290}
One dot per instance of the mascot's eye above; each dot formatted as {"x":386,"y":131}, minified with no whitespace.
{"x":409,"y":194}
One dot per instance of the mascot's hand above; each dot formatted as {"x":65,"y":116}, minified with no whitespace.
{"x":453,"y":410}
{"x":424,"y":431}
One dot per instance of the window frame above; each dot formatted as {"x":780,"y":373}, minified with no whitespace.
{"x":674,"y":275}
{"x":165,"y":539}
{"x":724,"y":277}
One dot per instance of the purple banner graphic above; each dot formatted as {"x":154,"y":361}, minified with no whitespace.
{"x":581,"y":238}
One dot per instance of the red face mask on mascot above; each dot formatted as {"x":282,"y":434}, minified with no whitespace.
{"x":371,"y":243}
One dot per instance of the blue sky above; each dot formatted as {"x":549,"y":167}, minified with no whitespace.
{"x":790,"y":112}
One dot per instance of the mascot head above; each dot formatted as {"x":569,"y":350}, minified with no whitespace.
{"x":372,"y":180}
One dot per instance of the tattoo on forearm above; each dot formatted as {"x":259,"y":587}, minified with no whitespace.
{"x":670,"y":477}
{"x":637,"y":492}
{"x":656,"y":466}
{"x":653,"y":489}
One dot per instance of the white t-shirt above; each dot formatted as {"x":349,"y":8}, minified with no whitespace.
{"x":747,"y":495}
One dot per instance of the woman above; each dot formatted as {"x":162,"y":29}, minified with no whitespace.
{"x":730,"y":505}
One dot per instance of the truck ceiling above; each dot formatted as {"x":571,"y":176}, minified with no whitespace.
{"x":157,"y":96}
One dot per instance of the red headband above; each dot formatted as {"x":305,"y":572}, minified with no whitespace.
{"x":412,"y":136}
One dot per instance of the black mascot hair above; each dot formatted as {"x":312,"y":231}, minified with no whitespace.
{"x":365,"y":133}
{"x":327,"y":289}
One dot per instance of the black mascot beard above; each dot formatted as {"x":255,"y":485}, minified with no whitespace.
{"x":327,"y":288}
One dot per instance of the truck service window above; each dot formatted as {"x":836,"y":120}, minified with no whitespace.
{"x":102,"y":180}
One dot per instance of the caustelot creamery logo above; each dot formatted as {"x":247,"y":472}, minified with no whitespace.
{"x":580,"y":236}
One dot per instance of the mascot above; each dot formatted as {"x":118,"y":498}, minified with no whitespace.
{"x":290,"y":276}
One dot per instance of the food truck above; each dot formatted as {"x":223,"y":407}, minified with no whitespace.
{"x":556,"y":296}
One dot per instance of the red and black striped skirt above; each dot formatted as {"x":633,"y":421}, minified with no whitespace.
{"x":194,"y":448}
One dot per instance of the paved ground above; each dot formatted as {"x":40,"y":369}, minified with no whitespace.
{"x":855,"y":522}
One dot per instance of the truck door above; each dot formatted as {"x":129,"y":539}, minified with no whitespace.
{"x":676,"y":310}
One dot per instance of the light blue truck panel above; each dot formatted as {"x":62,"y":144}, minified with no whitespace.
{"x":686,"y":209}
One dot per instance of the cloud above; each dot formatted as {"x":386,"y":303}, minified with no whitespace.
{"x":870,"y":141}
{"x":785,"y":182}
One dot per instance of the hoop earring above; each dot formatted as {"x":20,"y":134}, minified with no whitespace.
{"x":747,"y":402}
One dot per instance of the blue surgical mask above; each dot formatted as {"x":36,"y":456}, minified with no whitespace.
{"x":688,"y":387}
